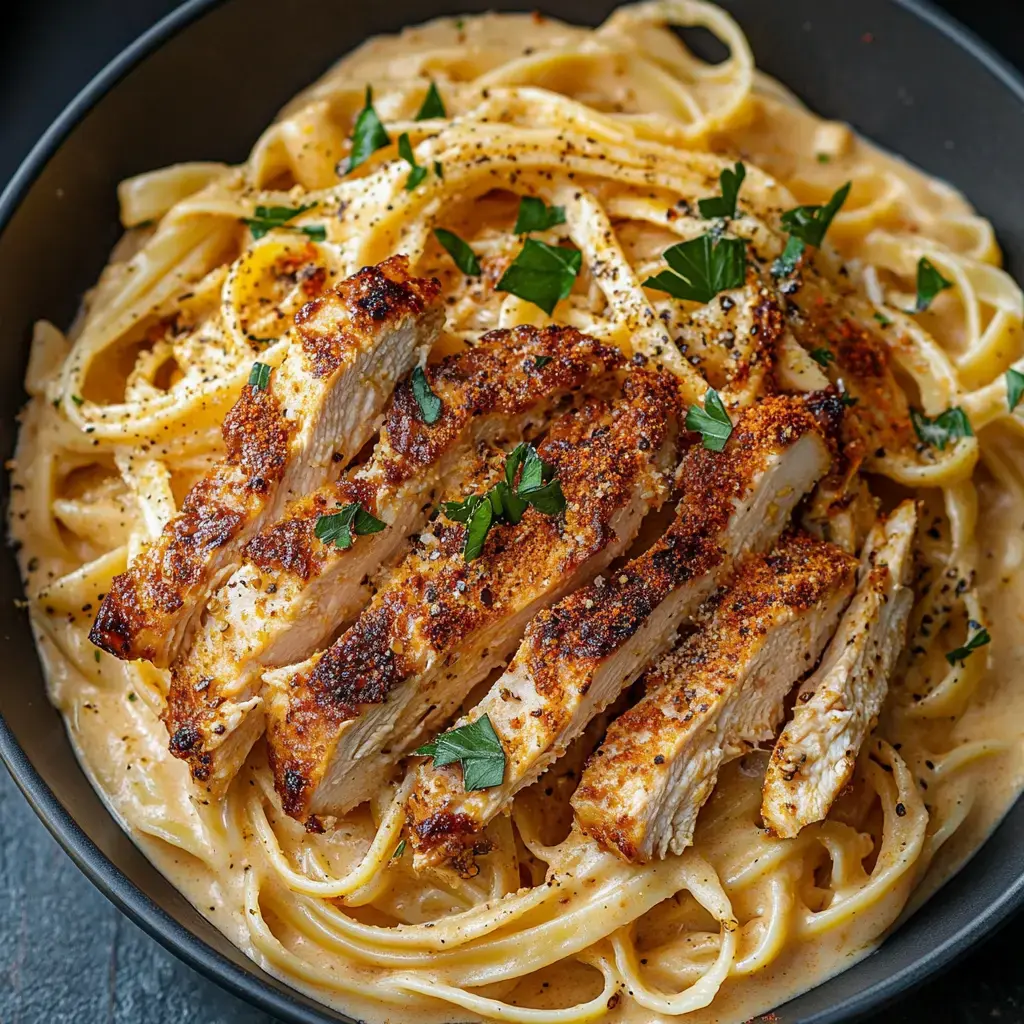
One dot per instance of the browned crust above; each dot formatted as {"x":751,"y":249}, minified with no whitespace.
{"x":795,"y":576}
{"x":139,"y":610}
{"x":599,"y":452}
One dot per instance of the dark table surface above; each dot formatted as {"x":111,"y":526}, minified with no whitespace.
{"x":66,"y":955}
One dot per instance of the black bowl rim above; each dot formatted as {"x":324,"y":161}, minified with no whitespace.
{"x":144,"y":911}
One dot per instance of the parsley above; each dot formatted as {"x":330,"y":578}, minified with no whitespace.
{"x":267,"y":218}
{"x":465,"y":258}
{"x":807,"y":225}
{"x":539,"y":362}
{"x":980,"y":639}
{"x":824,"y":158}
{"x":1014,"y":388}
{"x":418,"y":172}
{"x":399,"y":850}
{"x":439,"y":169}
{"x":340,"y":527}
{"x":96,"y":655}
{"x":476,"y":747}
{"x":132,"y":696}
{"x":542,"y":274}
{"x":882,"y":319}
{"x":702,"y":268}
{"x":712,"y":422}
{"x":433,"y":105}
{"x":947,"y":426}
{"x":847,"y":399}
{"x":78,"y":399}
{"x":535,"y":215}
{"x":259,"y":376}
{"x":368,"y":135}
{"x":429,"y":403}
{"x":725,"y":204}
{"x":822,"y":356}
{"x":929,"y":283}
{"x":507,"y":500}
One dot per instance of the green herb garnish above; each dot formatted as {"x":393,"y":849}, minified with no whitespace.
{"x":476,"y":747}
{"x":824,"y":158}
{"x":535,"y":215}
{"x":340,"y":527}
{"x":439,"y":169}
{"x":712,"y":422}
{"x":433,"y":105}
{"x":429,"y":403}
{"x":465,"y":258}
{"x":418,"y":172}
{"x":701,"y":268}
{"x":399,"y":850}
{"x":882,"y":319}
{"x":259,"y":376}
{"x":267,"y":218}
{"x":368,"y":135}
{"x":980,"y":639}
{"x":539,"y":362}
{"x":807,"y":225}
{"x":929,"y":283}
{"x":1014,"y":388}
{"x":822,"y":356}
{"x":542,"y":274}
{"x":947,"y":426}
{"x":725,"y":204}
{"x":78,"y":399}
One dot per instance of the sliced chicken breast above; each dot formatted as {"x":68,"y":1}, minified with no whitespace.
{"x":295,"y":590}
{"x":441,"y":624}
{"x":578,"y":656}
{"x":713,"y":698}
{"x":285,"y":436}
{"x":838,"y":705}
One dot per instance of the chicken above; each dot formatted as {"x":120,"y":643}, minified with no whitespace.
{"x":285,"y":436}
{"x":441,"y":624}
{"x":295,"y":590}
{"x":713,"y":698}
{"x":579,"y":655}
{"x":814,"y":757}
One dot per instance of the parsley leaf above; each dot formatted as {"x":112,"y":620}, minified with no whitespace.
{"x":267,"y":218}
{"x":418,"y":172}
{"x":702,"y":268}
{"x":980,"y":639}
{"x":929,"y":283}
{"x":476,"y":747}
{"x":822,"y":356}
{"x":439,"y":169}
{"x":368,"y":135}
{"x":882,"y":319}
{"x":429,"y":403}
{"x":807,"y":225}
{"x":712,"y":422}
{"x":786,"y":263}
{"x":340,"y":527}
{"x":725,"y":204}
{"x":399,"y":850}
{"x":78,"y":400}
{"x":433,"y":105}
{"x":259,"y":376}
{"x":535,"y":215}
{"x":542,"y":274}
{"x":539,"y":362}
{"x":1014,"y":388}
{"x":465,"y":258}
{"x":477,"y":527}
{"x":947,"y":426}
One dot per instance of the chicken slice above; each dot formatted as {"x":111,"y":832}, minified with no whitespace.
{"x":284,"y":437}
{"x":441,"y":624}
{"x":579,"y":655}
{"x":835,"y":708}
{"x":715,"y":696}
{"x":295,"y":591}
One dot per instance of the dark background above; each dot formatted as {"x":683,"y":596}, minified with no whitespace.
{"x":66,"y":955}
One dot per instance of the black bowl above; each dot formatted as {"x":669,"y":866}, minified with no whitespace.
{"x":202,"y":85}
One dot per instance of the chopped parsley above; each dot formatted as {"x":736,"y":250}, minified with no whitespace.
{"x":929,"y":283}
{"x":96,"y":655}
{"x":418,"y":172}
{"x":465,"y":258}
{"x":428,"y":402}
{"x":712,"y":422}
{"x":259,"y":376}
{"x":399,"y":850}
{"x":542,"y":274}
{"x":822,"y":356}
{"x":948,"y":426}
{"x":1014,"y":388}
{"x":882,"y":319}
{"x":824,"y":158}
{"x":979,"y":639}
{"x":78,"y":399}
{"x":267,"y":218}
{"x":368,"y":135}
{"x":725,"y":204}
{"x":439,"y":169}
{"x":807,"y":225}
{"x":433,"y":105}
{"x":340,"y":527}
{"x":476,"y":747}
{"x":539,"y":362}
{"x":701,"y":268}
{"x":535,"y":215}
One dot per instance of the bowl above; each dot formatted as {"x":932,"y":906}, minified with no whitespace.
{"x":188,"y":89}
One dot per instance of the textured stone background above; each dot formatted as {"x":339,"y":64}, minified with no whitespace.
{"x":66,"y":955}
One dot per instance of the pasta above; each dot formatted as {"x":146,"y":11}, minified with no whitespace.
{"x":615,"y":125}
